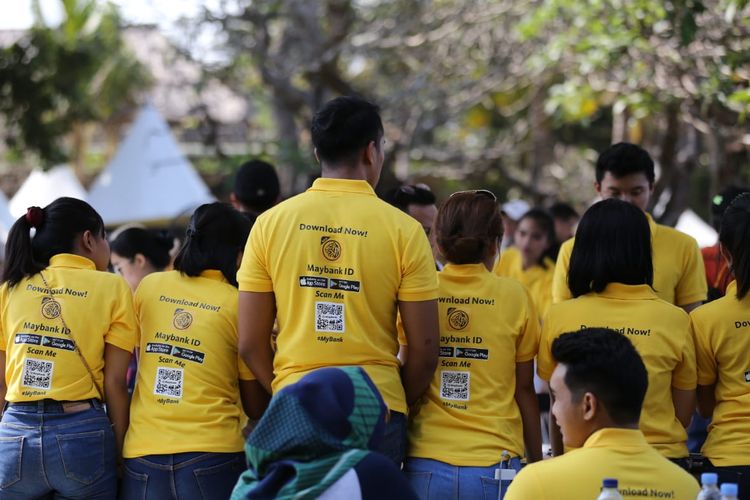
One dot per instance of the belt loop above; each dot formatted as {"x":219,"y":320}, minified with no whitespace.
{"x":96,"y":404}
{"x":40,"y":406}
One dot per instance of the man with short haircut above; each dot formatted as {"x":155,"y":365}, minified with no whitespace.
{"x":565,"y":218}
{"x":626,"y":171}
{"x":334,"y":265}
{"x":599,"y":385}
{"x":418,"y":201}
{"x":256,"y":188}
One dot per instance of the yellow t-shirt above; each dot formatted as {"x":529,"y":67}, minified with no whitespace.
{"x":679,"y":275}
{"x":339,"y":260}
{"x":536,"y":279}
{"x":660,"y":333}
{"x":187,"y":392}
{"x":40,"y":358}
{"x":722,"y":344}
{"x":469,"y":414}
{"x":611,"y":452}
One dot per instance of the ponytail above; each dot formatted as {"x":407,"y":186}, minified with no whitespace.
{"x":734,"y":236}
{"x":19,"y":256}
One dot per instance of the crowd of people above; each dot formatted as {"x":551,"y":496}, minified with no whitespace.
{"x":340,"y":346}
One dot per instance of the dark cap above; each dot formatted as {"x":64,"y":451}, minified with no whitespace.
{"x":256,"y":185}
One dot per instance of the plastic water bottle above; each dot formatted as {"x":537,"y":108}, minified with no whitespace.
{"x":728,"y":491}
{"x":709,"y":487}
{"x":609,"y":490}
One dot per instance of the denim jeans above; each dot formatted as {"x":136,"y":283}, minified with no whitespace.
{"x":183,"y":476}
{"x":46,"y":452}
{"x":435,"y":480}
{"x":393,"y":444}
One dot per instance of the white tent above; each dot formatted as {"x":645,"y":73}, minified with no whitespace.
{"x":690,"y":223}
{"x":42,"y":188}
{"x":148,"y":180}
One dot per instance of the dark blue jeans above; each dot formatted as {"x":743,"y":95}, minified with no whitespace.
{"x":182,"y":476}
{"x":47,"y":452}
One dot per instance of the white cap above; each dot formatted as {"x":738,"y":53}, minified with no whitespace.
{"x":515,"y":209}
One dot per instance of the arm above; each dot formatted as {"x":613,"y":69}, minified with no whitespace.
{"x":693,"y":305}
{"x":3,"y":386}
{"x":684,"y":405}
{"x":706,"y":400}
{"x":422,"y":336}
{"x":116,"y":362}
{"x":529,"y":407}
{"x":254,"y":398}
{"x":257,"y":311}
{"x":555,"y":436}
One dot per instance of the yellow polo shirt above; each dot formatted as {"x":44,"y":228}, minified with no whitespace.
{"x":487,"y":325}
{"x":679,"y":275}
{"x":338,"y":260}
{"x":660,"y":333}
{"x":187,"y":392}
{"x":722,"y":344}
{"x":536,"y":279}
{"x":611,"y":452}
{"x":40,"y":357}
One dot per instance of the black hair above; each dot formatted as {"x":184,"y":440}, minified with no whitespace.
{"x":56,"y":228}
{"x":562,"y":210}
{"x":721,"y":201}
{"x":214,"y":237}
{"x":410,"y":194}
{"x":256,"y":185}
{"x":154,"y":246}
{"x":623,"y":159}
{"x":546,"y":223}
{"x":734,"y":236}
{"x":612,"y":245}
{"x":343,"y":127}
{"x":605,"y":363}
{"x":467,"y":225}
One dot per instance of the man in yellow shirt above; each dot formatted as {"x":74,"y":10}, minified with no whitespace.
{"x":334,"y":265}
{"x":599,"y":385}
{"x":626,"y":171}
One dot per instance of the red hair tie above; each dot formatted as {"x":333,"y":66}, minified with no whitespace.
{"x":34,"y":216}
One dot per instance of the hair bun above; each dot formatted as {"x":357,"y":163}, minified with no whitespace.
{"x":35,"y":217}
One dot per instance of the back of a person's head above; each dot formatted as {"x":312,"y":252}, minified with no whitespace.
{"x":55,"y":229}
{"x":612,"y":245}
{"x":468,"y":224}
{"x":154,"y":246}
{"x":623,"y":159}
{"x":215,"y":235}
{"x":604,"y":363}
{"x":721,"y":202}
{"x":343,"y":127}
{"x":410,"y":194}
{"x":256,"y":185}
{"x":562,"y":210}
{"x":734,"y":236}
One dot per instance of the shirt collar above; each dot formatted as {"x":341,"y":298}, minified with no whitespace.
{"x":628,"y":292}
{"x":465,"y":269}
{"x":71,"y":260}
{"x":652,"y":225}
{"x":342,"y":185}
{"x":616,"y":437}
{"x":213,"y":274}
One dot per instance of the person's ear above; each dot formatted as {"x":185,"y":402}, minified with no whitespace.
{"x":315,"y":153}
{"x":589,"y":407}
{"x":88,"y":241}
{"x":371,"y":153}
{"x":139,"y":260}
{"x":598,"y":188}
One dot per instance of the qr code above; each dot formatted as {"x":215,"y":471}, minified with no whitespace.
{"x":169,"y":382}
{"x":454,"y":385}
{"x":329,"y":317}
{"x":37,"y":373}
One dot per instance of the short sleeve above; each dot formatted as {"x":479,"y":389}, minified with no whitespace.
{"x":706,"y":365}
{"x":525,"y":485}
{"x":692,"y":284}
{"x":418,"y":273}
{"x":527,"y":343}
{"x":244,"y":371}
{"x":560,"y":290}
{"x":123,"y":328}
{"x":253,"y":275}
{"x":545,"y":365}
{"x":685,"y":376}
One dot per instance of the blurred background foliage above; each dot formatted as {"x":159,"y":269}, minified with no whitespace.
{"x":514,"y":95}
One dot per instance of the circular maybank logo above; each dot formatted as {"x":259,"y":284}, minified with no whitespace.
{"x":182,"y":319}
{"x":457,"y":319}
{"x":51,"y":308}
{"x":331,"y":248}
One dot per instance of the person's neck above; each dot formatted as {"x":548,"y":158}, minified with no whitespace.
{"x":348,"y":172}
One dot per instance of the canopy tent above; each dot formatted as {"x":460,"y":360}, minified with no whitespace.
{"x":42,"y":188}
{"x":691,"y":223}
{"x":148,"y":180}
{"x":6,"y":219}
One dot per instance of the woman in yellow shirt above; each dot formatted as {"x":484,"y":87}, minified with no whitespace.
{"x":722,"y":344}
{"x":185,"y":437}
{"x":531,"y":260}
{"x":67,"y":330}
{"x":480,"y":406}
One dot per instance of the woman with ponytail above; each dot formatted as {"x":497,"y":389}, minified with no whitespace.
{"x":67,"y":330}
{"x":722,"y":344}
{"x":481,"y":404}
